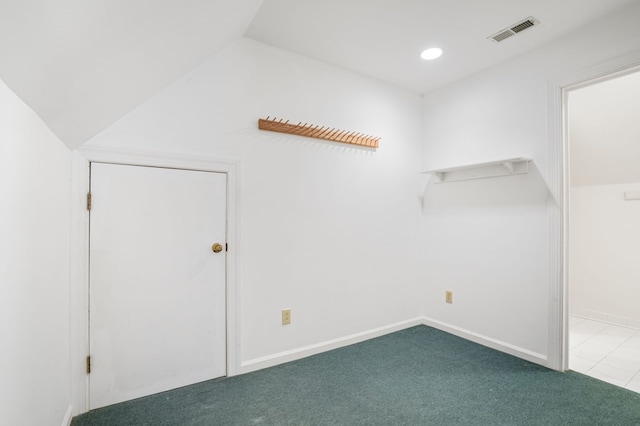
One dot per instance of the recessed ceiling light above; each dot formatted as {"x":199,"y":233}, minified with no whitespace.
{"x":431,"y":53}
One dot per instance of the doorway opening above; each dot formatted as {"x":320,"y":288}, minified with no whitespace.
{"x":602,"y":221}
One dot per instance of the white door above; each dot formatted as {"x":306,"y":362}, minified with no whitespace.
{"x":156,"y":287}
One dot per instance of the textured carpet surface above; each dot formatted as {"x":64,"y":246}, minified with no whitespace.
{"x":418,"y":376}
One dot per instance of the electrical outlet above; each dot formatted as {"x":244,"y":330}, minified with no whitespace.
{"x":286,"y":316}
{"x":448,"y":296}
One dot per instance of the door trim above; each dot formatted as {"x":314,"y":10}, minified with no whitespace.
{"x":79,"y":263}
{"x":558,"y":207}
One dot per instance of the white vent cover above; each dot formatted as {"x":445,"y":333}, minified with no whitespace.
{"x":514,"y":29}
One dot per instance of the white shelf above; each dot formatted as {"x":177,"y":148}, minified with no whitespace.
{"x":508,"y":167}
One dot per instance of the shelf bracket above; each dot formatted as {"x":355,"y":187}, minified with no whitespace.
{"x":509,"y":166}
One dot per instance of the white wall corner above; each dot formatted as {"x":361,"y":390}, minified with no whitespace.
{"x":498,"y":345}
{"x":317,"y":348}
{"x":306,"y":351}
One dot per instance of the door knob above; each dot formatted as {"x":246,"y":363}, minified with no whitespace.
{"x":217,"y":248}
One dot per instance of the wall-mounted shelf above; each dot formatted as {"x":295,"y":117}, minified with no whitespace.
{"x":508,"y":167}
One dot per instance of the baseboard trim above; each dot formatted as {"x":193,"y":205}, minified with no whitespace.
{"x":66,"y":420}
{"x":498,"y":345}
{"x":606,"y":318}
{"x":303,"y":352}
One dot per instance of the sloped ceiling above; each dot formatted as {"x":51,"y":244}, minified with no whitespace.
{"x":83,"y":64}
{"x":604,"y":132}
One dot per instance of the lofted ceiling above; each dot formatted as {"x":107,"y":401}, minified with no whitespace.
{"x":83,"y":64}
{"x":604,"y":132}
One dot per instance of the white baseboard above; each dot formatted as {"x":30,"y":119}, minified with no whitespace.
{"x":498,"y":345}
{"x":66,"y":421}
{"x":303,"y":352}
{"x":294,"y":354}
{"x":606,"y":317}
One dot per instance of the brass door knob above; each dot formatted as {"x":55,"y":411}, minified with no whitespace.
{"x":217,"y":248}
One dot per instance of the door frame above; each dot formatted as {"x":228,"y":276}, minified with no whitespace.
{"x":79,"y":263}
{"x":558,"y":207}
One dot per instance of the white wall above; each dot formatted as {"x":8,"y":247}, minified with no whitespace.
{"x":605,"y":242}
{"x":604,"y":131}
{"x":488,"y":240}
{"x":328,"y":230}
{"x":34,"y":268}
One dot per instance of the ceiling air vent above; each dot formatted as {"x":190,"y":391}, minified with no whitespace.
{"x":514,"y":29}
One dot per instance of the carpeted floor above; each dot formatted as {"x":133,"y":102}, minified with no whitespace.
{"x":418,"y":376}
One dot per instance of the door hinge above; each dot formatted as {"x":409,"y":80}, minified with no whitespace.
{"x":88,"y":201}
{"x":88,"y":362}
{"x":226,"y":246}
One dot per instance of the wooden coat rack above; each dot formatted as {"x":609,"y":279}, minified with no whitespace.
{"x":318,"y":132}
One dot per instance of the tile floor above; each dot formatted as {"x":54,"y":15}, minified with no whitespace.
{"x":605,"y":351}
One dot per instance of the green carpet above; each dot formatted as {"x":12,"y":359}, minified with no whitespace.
{"x":418,"y":376}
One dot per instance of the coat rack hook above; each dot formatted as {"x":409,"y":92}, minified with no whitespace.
{"x":318,"y":132}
